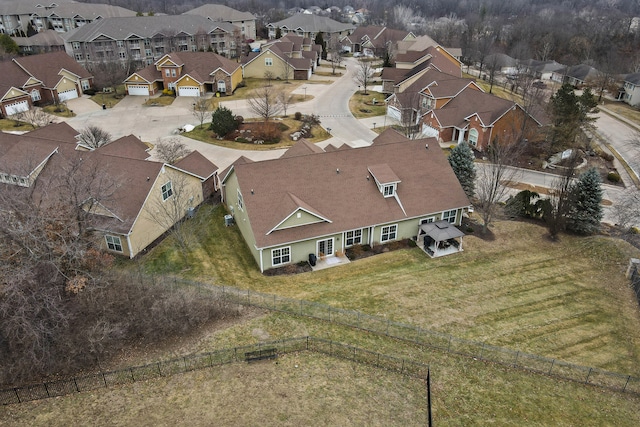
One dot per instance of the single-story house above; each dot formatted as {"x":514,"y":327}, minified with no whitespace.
{"x":478,"y":118}
{"x":129,"y":201}
{"x":40,"y":79}
{"x":289,"y":57}
{"x":188,"y":73}
{"x":308,"y":25}
{"x":374,"y":39}
{"x":576,"y":75}
{"x":631,"y":89}
{"x":320,"y":203}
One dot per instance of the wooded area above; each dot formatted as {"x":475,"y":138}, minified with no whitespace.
{"x":570,"y":32}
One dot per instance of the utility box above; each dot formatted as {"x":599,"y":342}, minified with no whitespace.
{"x":228,"y":220}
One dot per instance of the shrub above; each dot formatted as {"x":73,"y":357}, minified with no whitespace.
{"x":239,"y":120}
{"x":223,"y":122}
{"x":311,"y":119}
{"x":297,"y":115}
{"x":607,"y":156}
{"x":613,"y":176}
{"x":168,"y":92}
{"x":90,"y":91}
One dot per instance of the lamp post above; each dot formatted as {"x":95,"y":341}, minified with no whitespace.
{"x":374,"y":125}
{"x":329,"y":130}
{"x":305,"y":93}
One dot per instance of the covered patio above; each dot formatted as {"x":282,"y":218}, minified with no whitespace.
{"x":440,"y":238}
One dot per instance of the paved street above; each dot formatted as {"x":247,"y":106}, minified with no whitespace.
{"x":625,"y":139}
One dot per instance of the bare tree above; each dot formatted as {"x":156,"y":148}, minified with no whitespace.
{"x":557,"y":206}
{"x":171,"y":150}
{"x":335,"y":56}
{"x":201,"y":109}
{"x":284,"y":99}
{"x":93,"y":137}
{"x":169,"y":213}
{"x":35,"y":116}
{"x":263,"y":102}
{"x":110,"y":73}
{"x":493,"y":177}
{"x":268,"y":76}
{"x":286,"y":68}
{"x":364,"y":74}
{"x":625,"y":210}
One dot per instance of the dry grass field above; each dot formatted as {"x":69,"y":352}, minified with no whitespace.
{"x":566,"y":299}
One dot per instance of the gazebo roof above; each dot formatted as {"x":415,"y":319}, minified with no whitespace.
{"x":441,"y":230}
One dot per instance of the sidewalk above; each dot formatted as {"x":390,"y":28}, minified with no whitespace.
{"x":618,"y":117}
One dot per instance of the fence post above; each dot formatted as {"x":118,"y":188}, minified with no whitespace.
{"x":46,"y":389}
{"x":552,"y":363}
{"x":449,"y":346}
{"x":15,"y":389}
{"x":588,"y":375}
{"x":132,"y":377}
{"x":159,"y":370}
{"x":74,"y":383}
{"x":627,"y":383}
{"x":184,"y":362}
{"x":307,"y":342}
{"x":402,"y":369}
{"x":515,"y":363}
{"x":300,"y":307}
{"x":104,"y":379}
{"x":481,"y":351}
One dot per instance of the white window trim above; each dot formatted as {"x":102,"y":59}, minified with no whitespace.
{"x":268,"y":62}
{"x":391,"y":188}
{"x":114,"y":243}
{"x":389,"y":227}
{"x":353,"y":237}
{"x":448,"y":218}
{"x":168,"y":190}
{"x":273,"y":256}
{"x":427,"y":220}
{"x":240,"y":201}
{"x":35,"y":95}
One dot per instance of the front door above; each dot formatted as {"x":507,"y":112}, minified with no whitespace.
{"x":325,"y":247}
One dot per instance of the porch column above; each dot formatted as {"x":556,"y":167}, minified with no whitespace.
{"x":460,"y":248}
{"x":460,"y":135}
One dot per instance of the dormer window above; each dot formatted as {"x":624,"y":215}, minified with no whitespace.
{"x":386,"y":180}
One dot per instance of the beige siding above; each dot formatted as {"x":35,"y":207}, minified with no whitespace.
{"x":257,"y":67}
{"x":146,"y":227}
{"x":66,"y":84}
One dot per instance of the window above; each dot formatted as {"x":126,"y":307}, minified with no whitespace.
{"x":427,"y":220}
{"x":122,"y":55}
{"x":76,"y":45}
{"x":240,"y":201}
{"x":353,"y":237}
{"x":280,"y":256}
{"x":114,"y":243}
{"x":449,"y":216}
{"x":389,"y":232}
{"x":167,"y":72}
{"x":167,"y":191}
{"x":473,"y":137}
{"x":147,"y":52}
{"x":78,"y":56}
{"x":119,"y":43}
{"x":173,"y":72}
{"x":388,"y":190}
{"x":35,"y":95}
{"x":268,"y":62}
{"x":85,"y":84}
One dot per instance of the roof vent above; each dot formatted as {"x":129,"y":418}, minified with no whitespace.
{"x":337,"y":170}
{"x":426,"y":146}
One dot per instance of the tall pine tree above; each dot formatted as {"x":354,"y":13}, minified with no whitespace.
{"x":585,"y":210}
{"x":461,"y":160}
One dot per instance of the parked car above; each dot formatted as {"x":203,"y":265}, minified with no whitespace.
{"x":357,"y":54}
{"x":539,"y":84}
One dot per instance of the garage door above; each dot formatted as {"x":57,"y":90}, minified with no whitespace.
{"x":66,"y":95}
{"x":16,"y":107}
{"x":138,"y":90}
{"x":428,"y":131}
{"x":394,"y":113}
{"x":188,"y":91}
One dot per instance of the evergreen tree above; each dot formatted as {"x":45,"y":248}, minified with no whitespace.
{"x":8,"y":45}
{"x":222,"y":121}
{"x":461,"y":160}
{"x":585,"y":211}
{"x":569,"y":112}
{"x":278,"y":33}
{"x":319,"y":40}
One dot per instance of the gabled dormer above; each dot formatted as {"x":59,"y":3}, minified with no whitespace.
{"x":386,"y":180}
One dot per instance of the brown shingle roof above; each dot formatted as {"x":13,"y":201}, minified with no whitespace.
{"x":347,"y":199}
{"x":46,"y":67}
{"x":197,"y":164}
{"x":12,"y":76}
{"x":127,"y":146}
{"x":489,"y":108}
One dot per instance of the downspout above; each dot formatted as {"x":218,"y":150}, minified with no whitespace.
{"x":129,"y":245}
{"x":261,"y":262}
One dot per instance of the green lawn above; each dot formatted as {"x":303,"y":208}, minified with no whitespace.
{"x":109,"y":99}
{"x":362,"y":106}
{"x":567,"y":300}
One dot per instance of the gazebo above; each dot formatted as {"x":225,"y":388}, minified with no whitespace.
{"x":440,"y":238}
